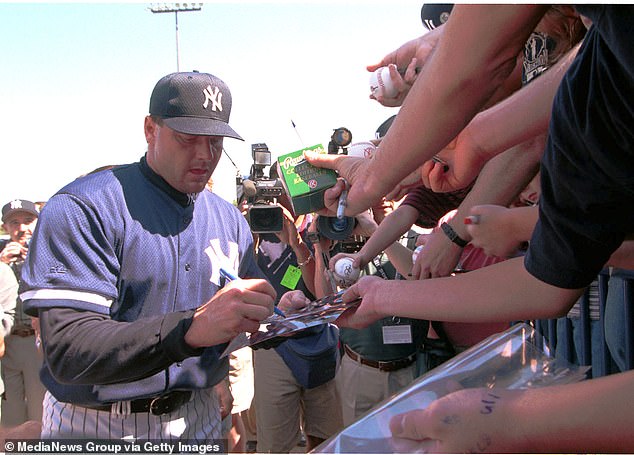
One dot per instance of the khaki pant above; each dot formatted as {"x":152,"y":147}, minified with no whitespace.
{"x":362,"y":387}
{"x":280,"y":404}
{"x":24,"y":391}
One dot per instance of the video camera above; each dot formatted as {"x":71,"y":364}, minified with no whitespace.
{"x":261,"y":193}
{"x":340,"y":230}
{"x":340,"y":139}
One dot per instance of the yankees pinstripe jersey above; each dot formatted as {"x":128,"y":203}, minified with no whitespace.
{"x":124,"y":244}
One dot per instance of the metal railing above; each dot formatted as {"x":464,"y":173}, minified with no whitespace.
{"x":591,"y":347}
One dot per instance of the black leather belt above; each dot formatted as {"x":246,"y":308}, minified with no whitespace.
{"x":392,"y":365}
{"x":163,"y":404}
{"x":22,"y":331}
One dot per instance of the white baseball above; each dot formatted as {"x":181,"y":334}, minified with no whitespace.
{"x":382,"y":84}
{"x":362,"y":149}
{"x":345,"y":273}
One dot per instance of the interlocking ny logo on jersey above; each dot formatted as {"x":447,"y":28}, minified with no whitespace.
{"x":213,"y":96}
{"x":219,"y":259}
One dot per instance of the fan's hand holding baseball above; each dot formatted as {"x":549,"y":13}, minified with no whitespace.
{"x":238,"y":307}
{"x":358,"y":260}
{"x":388,"y":87}
{"x":419,"y":48}
{"x":439,"y":257}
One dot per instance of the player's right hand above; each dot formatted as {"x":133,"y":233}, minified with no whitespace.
{"x":236,"y":308}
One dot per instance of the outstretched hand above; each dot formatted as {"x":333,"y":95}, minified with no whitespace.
{"x":365,"y":313}
{"x":419,"y":49}
{"x":293,"y":301}
{"x":438,"y":258}
{"x":402,"y":84}
{"x":461,"y":163}
{"x":494,"y":230}
{"x":466,"y":421}
{"x":355,"y":171}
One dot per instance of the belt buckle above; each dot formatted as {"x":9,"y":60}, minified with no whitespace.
{"x":161,"y":405}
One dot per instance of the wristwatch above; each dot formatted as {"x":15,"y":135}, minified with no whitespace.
{"x":453,"y":236}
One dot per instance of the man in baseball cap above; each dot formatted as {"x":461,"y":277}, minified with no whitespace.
{"x":133,"y":253}
{"x":18,"y":205}
{"x":19,"y":217}
{"x":195,"y":108}
{"x":21,"y":362}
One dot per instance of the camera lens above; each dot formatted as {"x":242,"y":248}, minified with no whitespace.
{"x":335,"y":229}
{"x":265,"y":218}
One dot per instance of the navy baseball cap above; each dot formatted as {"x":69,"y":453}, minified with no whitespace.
{"x":18,"y":205}
{"x":435,"y":14}
{"x":193,"y":103}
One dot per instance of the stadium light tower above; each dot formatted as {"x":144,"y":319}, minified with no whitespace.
{"x":175,"y":8}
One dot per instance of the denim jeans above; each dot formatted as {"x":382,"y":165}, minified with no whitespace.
{"x":615,"y":322}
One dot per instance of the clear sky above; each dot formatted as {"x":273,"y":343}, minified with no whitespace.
{"x":76,"y":79}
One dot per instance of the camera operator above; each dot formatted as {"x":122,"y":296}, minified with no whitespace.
{"x":282,"y":405}
{"x":21,"y":363}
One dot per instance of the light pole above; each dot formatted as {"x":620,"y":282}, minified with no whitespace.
{"x":175,"y":8}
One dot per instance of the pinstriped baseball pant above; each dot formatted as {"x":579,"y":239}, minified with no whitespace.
{"x":198,"y":420}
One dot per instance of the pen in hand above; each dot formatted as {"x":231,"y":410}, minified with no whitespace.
{"x":343,"y":201}
{"x":232,"y":276}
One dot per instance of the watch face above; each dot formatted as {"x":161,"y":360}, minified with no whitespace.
{"x":313,"y":237}
{"x":342,"y":137}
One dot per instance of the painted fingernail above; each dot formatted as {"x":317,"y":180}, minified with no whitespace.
{"x":472,"y":219}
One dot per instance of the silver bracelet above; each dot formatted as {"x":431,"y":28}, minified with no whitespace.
{"x":308,"y":259}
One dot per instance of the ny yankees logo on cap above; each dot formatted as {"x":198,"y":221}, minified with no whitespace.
{"x":193,"y":103}
{"x":214,"y":96}
{"x":16,"y":204}
{"x":19,"y":205}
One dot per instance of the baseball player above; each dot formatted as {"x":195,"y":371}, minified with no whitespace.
{"x":124,"y":275}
